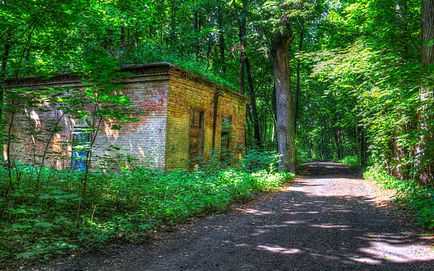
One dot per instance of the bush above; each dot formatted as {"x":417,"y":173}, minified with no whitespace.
{"x":410,"y":195}
{"x":256,"y":160}
{"x":352,"y":161}
{"x":38,"y":223}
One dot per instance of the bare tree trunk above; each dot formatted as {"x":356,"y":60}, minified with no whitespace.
{"x":426,"y":150}
{"x":47,"y":146}
{"x":284,"y":103}
{"x":197,"y":26}
{"x":298,"y":83}
{"x":253,"y":107}
{"x":221,"y":38}
{"x":364,"y":148}
{"x":3,"y":98}
{"x":338,"y":143}
{"x":172,"y":24}
{"x":427,"y":51}
{"x":244,"y":61}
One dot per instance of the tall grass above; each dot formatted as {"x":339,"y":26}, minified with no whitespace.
{"x":39,"y":224}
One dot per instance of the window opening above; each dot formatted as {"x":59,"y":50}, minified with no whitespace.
{"x":196,"y":134}
{"x":226,"y":137}
{"x":80,"y":147}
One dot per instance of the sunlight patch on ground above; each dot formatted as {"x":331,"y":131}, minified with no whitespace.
{"x":291,"y":222}
{"x":398,"y":253}
{"x":329,"y":226}
{"x":254,"y":212}
{"x":367,"y":261}
{"x":279,"y":249}
{"x":259,"y":232}
{"x":296,"y":213}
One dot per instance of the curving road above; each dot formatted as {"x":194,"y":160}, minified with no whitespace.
{"x":330,"y":219}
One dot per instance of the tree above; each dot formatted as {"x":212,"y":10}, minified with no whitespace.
{"x":426,"y":150}
{"x":285,"y":115}
{"x":245,"y":69}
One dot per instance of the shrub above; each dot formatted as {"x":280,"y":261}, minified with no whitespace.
{"x":256,"y":160}
{"x":352,"y":161}
{"x":38,"y":223}
{"x":410,"y":195}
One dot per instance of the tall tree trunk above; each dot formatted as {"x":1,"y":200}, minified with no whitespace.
{"x":3,"y":97}
{"x":363,"y":146}
{"x":284,"y":103}
{"x":427,"y":54}
{"x":197,"y":28}
{"x":221,"y":38}
{"x":338,"y":143}
{"x":253,"y":107}
{"x":298,"y":82}
{"x":426,"y":150}
{"x":244,"y":62}
{"x":172,"y":24}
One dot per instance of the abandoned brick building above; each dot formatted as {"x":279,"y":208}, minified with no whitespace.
{"x":185,"y":116}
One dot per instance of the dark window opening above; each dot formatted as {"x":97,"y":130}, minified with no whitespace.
{"x":80,"y":148}
{"x":196,"y":134}
{"x":226,"y":137}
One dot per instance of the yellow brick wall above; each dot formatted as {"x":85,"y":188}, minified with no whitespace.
{"x":160,"y":137}
{"x":186,"y":94}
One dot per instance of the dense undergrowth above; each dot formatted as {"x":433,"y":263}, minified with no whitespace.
{"x":42,"y":223}
{"x":410,"y":195}
{"x":352,"y":161}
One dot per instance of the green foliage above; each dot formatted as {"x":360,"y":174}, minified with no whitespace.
{"x":362,"y":90}
{"x":352,"y":161}
{"x":256,"y":160}
{"x":38,"y":224}
{"x":410,"y":195}
{"x":159,"y":53}
{"x":360,"y":77}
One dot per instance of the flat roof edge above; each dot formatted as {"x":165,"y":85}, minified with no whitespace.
{"x":170,"y":66}
{"x":138,"y":69}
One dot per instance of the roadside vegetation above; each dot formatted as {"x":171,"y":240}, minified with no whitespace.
{"x":349,"y":80}
{"x":40,"y":223}
{"x":353,"y":161}
{"x":410,"y":195}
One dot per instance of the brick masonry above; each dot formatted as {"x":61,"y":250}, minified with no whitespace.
{"x":164,"y":93}
{"x":186,"y":94}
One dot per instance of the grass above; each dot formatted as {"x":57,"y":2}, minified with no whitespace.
{"x":38,"y":224}
{"x":410,"y":195}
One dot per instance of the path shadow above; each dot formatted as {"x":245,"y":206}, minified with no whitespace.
{"x":330,"y":233}
{"x":299,"y":231}
{"x":304,"y":228}
{"x":329,"y":169}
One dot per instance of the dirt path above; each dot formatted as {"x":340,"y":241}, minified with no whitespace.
{"x":327,"y":220}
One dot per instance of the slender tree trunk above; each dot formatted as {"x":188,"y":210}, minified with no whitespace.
{"x":172,"y":24}
{"x":338,"y":144}
{"x":253,"y":107}
{"x":426,"y":149}
{"x":244,"y":61}
{"x":197,"y":26}
{"x":220,"y":25}
{"x":298,"y":82}
{"x":362,"y":139}
{"x":284,"y":103}
{"x":427,"y":54}
{"x":3,"y":97}
{"x":47,"y":146}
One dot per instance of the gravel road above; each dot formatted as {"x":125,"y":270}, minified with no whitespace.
{"x":329,"y":219}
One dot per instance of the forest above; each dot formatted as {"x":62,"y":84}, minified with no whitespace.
{"x":349,"y":81}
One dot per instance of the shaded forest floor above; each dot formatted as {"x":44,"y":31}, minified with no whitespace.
{"x":330,"y":219}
